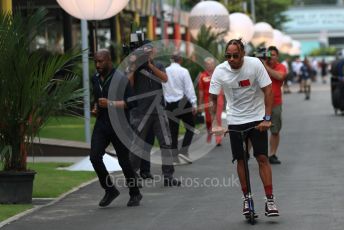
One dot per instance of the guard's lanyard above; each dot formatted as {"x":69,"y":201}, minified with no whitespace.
{"x":108,"y":78}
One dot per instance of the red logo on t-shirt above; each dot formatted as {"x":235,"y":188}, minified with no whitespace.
{"x":244,"y":83}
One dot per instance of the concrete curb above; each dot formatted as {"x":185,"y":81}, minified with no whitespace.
{"x":22,"y":214}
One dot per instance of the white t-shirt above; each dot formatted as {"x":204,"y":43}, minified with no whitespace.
{"x":242,"y":88}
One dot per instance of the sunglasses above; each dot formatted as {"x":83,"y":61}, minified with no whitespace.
{"x":234,"y":56}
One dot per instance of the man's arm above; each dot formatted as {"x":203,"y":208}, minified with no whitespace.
{"x":268,"y":100}
{"x":200,"y":100}
{"x":105,"y":103}
{"x":130,"y":71}
{"x":216,"y":128}
{"x":118,"y":104}
{"x":200,"y":94}
{"x":274,"y":73}
{"x":94,"y":110}
{"x":189,"y":92}
{"x":215,"y":88}
{"x":158,"y":73}
{"x":131,"y":78}
{"x":213,"y":107}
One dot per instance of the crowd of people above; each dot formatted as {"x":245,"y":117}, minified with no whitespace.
{"x":304,"y":72}
{"x":251,"y":87}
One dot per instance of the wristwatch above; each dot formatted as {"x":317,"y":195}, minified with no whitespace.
{"x":267,"y":118}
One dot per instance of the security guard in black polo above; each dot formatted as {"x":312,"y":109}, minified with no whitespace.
{"x":103,"y":132}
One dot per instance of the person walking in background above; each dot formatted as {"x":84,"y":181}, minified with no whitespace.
{"x":247,"y":87}
{"x":323,"y":69}
{"x":314,"y":66}
{"x":277,"y":73}
{"x":306,"y":78}
{"x":203,"y":98}
{"x":289,"y":78}
{"x":103,"y":132}
{"x":296,"y":66}
{"x":181,"y":104}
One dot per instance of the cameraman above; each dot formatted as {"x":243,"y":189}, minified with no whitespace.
{"x":277,"y":72}
{"x":146,"y":77}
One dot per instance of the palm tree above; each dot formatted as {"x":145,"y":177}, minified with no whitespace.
{"x":211,"y":44}
{"x":210,"y":41}
{"x":33,"y":87}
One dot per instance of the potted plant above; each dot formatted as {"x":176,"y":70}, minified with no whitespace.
{"x":33,"y":88}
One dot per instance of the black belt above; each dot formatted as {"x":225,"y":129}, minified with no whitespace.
{"x":175,"y":102}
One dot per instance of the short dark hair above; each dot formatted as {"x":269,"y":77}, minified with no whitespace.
{"x":176,"y":56}
{"x":270,"y":48}
{"x":103,"y":52}
{"x":236,"y":42}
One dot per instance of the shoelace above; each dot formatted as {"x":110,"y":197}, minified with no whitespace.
{"x":246,"y":203}
{"x":271,"y":205}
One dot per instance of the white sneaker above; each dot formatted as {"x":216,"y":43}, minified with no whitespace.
{"x":245,"y":209}
{"x":185,"y":158}
{"x":271,"y":208}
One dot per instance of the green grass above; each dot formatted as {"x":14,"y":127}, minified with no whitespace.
{"x":52,"y":182}
{"x":65,"y":128}
{"x":49,"y":182}
{"x":8,"y":210}
{"x":72,"y":128}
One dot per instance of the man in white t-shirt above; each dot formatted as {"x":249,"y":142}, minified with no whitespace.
{"x":248,"y":91}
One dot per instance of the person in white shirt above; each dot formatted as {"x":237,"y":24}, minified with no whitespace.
{"x":181,"y":104}
{"x":248,"y":91}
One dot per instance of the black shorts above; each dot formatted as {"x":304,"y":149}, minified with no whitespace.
{"x":258,"y":139}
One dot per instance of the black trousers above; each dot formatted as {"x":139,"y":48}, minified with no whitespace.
{"x":154,"y":125}
{"x":180,"y":110}
{"x":103,"y":134}
{"x":145,"y":160}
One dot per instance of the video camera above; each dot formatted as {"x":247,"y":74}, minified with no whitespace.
{"x":136,"y":41}
{"x":137,"y":47}
{"x":262,"y":53}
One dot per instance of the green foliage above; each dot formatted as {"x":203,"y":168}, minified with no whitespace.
{"x":33,"y":86}
{"x":330,"y":51}
{"x":209,"y":41}
{"x":188,"y":4}
{"x":271,"y":11}
{"x":234,"y":5}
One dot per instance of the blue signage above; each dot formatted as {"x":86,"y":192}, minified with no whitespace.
{"x":314,"y":20}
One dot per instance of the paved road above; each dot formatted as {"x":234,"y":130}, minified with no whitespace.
{"x":308,"y":185}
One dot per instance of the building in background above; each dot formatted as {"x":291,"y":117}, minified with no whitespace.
{"x":316,"y":24}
